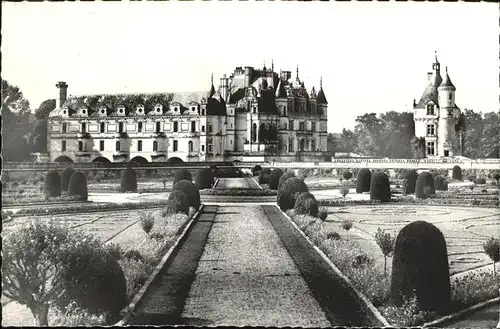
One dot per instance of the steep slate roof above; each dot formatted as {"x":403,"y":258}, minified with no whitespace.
{"x":266,"y":102}
{"x":280,"y":90}
{"x":216,"y":105}
{"x":431,"y":92}
{"x":320,"y":98}
{"x":447,"y":81}
{"x":236,"y":96}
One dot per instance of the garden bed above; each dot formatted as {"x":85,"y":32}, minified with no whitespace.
{"x":239,"y":192}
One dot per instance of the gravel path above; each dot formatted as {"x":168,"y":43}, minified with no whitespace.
{"x":245,"y":277}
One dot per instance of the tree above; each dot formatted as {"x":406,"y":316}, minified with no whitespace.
{"x":395,"y":140}
{"x":38,"y":136}
{"x":386,"y":243}
{"x":492,"y":249}
{"x":490,"y":138}
{"x":368,"y":131}
{"x":418,"y":147}
{"x":348,"y":141}
{"x":347,"y":225}
{"x":472,"y":134}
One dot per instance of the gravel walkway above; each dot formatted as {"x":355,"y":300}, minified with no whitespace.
{"x":245,"y":277}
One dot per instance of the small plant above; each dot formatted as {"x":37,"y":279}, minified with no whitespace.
{"x":471,"y":187}
{"x":306,"y":204}
{"x":158,"y":236}
{"x":347,"y":175}
{"x":114,"y":250}
{"x":440,"y":183}
{"x":323,"y":214}
{"x":344,"y":190}
{"x":284,"y":177}
{"x":492,"y":249}
{"x":347,"y":225}
{"x":386,"y":243}
{"x":333,"y":236}
{"x":480,"y":181}
{"x":496,"y":177}
{"x":204,"y":178}
{"x":471,"y":178}
{"x":362,"y":261}
{"x":147,"y":221}
{"x":134,"y":254}
{"x":164,"y":184}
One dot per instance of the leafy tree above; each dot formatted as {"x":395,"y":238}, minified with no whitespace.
{"x":368,"y":130}
{"x":38,"y":136}
{"x":472,"y":134}
{"x":492,"y":249}
{"x":418,"y":147}
{"x":386,"y":243}
{"x":348,"y":141}
{"x":490,"y":138}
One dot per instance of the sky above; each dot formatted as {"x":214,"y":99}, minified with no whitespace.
{"x":373,"y":57}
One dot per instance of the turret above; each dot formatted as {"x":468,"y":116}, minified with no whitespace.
{"x":63,"y":93}
{"x":446,"y":92}
{"x":212,"y":88}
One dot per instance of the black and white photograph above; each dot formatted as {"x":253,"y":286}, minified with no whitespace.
{"x":250,"y":164}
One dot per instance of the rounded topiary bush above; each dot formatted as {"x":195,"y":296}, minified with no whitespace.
{"x":425,"y":185}
{"x":289,"y":192}
{"x":306,"y":204}
{"x":363,"y":180}
{"x":129,"y":180}
{"x":93,"y":279}
{"x":52,"y":183}
{"x":440,"y":183}
{"x":471,"y":178}
{"x":286,"y":175}
{"x":480,"y":181}
{"x":379,"y":187}
{"x":78,"y":186}
{"x":456,"y":173}
{"x":347,"y":175}
{"x":274,"y":178}
{"x":65,"y":178}
{"x":182,"y":174}
{"x":411,"y":176}
{"x":264,"y":176}
{"x":420,"y":267}
{"x":204,"y":179}
{"x":191,"y":191}
{"x":177,"y":203}
{"x":256,"y":170}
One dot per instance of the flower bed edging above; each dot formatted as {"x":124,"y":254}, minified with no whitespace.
{"x":375,"y":312}
{"x":140,"y":294}
{"x":257,"y":183}
{"x":215,"y":183}
{"x":456,"y":316}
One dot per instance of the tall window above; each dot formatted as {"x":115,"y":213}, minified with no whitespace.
{"x":430,"y":148}
{"x":84,"y":128}
{"x":210,"y":128}
{"x":139,"y":146}
{"x":290,"y":145}
{"x":313,"y":144}
{"x":63,"y":146}
{"x":450,"y":96}
{"x":101,"y":146}
{"x":203,"y":129}
{"x":120,"y":127}
{"x":102,"y":126}
{"x":301,"y":126}
{"x":176,"y":126}
{"x":431,"y":130}
{"x":139,"y":127}
{"x":176,"y":146}
{"x":313,"y":126}
{"x":430,"y":109}
{"x":118,"y":146}
{"x":80,"y":146}
{"x":155,"y":146}
{"x":193,"y":126}
{"x":158,"y":126}
{"x":190,"y":146}
{"x":203,"y":148}
{"x":210,"y":148}
{"x":290,"y":123}
{"x":64,"y":127}
{"x":202,"y":111}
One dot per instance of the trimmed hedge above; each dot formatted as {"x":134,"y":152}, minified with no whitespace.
{"x":306,"y":204}
{"x":289,"y":191}
{"x":425,"y":185}
{"x":256,"y":170}
{"x":411,"y":176}
{"x":78,"y":186}
{"x":286,"y":175}
{"x":274,"y":178}
{"x":264,"y":176}
{"x":177,"y":203}
{"x":204,"y":179}
{"x":440,"y":183}
{"x":66,"y":177}
{"x":128,"y":182}
{"x":52,"y":183}
{"x":379,"y":187}
{"x":363,"y":181}
{"x":191,"y":191}
{"x":456,"y":173}
{"x":420,"y":267}
{"x":182,"y":174}
{"x":480,"y":181}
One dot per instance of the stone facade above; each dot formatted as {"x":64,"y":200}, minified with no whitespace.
{"x":253,"y":113}
{"x":436,"y":115}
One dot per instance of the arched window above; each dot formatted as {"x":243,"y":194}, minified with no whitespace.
{"x":118,"y":146}
{"x":254,"y":132}
{"x":155,"y":146}
{"x":80,"y":146}
{"x":190,"y":146}
{"x":202,"y":111}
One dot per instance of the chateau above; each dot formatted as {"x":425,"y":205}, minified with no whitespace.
{"x":254,"y":115}
{"x":436,"y":115}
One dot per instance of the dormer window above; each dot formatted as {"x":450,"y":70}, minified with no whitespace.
{"x":450,"y":112}
{"x":193,"y":109}
{"x":202,"y":111}
{"x":430,"y":109}
{"x":64,"y":112}
{"x":103,"y":111}
{"x":140,"y":110}
{"x":84,"y":111}
{"x":121,"y":111}
{"x":176,"y":109}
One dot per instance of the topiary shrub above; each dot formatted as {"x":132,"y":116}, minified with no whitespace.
{"x":456,"y":173}
{"x":65,"y":178}
{"x":333,"y":236}
{"x":182,"y":174}
{"x":420,"y":267}
{"x":78,"y":186}
{"x":347,"y":175}
{"x":363,"y":180}
{"x":471,"y":178}
{"x":204,"y":179}
{"x":379,"y":187}
{"x":93,"y":280}
{"x":286,"y":175}
{"x":52,"y":184}
{"x":191,"y":191}
{"x":134,"y":254}
{"x":274,"y":178}
{"x":306,"y":204}
{"x":411,"y":176}
{"x":424,"y":186}
{"x":128,"y":181}
{"x":177,"y":203}
{"x":440,"y":183}
{"x":480,"y":181}
{"x":114,"y":250}
{"x":496,"y":177}
{"x":323,"y":214}
{"x":289,"y":191}
{"x":256,"y":170}
{"x":264,"y":176}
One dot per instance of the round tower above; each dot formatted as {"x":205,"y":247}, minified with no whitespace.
{"x":448,"y":116}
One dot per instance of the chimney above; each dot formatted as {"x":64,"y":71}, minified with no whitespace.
{"x":224,"y":88}
{"x":248,"y":74}
{"x":63,"y":93}
{"x":429,"y":76}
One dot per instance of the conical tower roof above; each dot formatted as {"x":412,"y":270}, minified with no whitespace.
{"x":212,"y":88}
{"x":321,"y":99}
{"x":447,"y":81}
{"x":280,"y":90}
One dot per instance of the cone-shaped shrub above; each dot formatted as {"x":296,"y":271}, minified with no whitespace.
{"x":65,"y":178}
{"x":379,"y":187}
{"x":456,"y":173}
{"x":129,"y":180}
{"x":264,"y":176}
{"x":204,"y":179}
{"x":411,"y":176}
{"x":52,"y":183}
{"x":420,"y":267}
{"x":425,"y":185}
{"x":284,"y":177}
{"x":289,"y":192}
{"x":177,"y":203}
{"x":256,"y":170}
{"x":93,"y":279}
{"x":440,"y":183}
{"x":363,"y":181}
{"x":182,"y":174}
{"x":274,"y":178}
{"x":306,"y":204}
{"x":78,"y":186}
{"x":347,"y":175}
{"x":191,"y":191}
